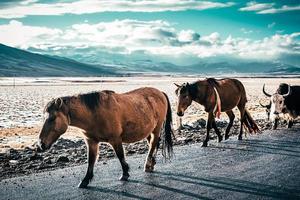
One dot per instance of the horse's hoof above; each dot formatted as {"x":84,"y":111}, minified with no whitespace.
{"x":226,"y":137}
{"x":204,"y":144}
{"x":220,"y":139}
{"x":149,"y":169}
{"x":124,"y":178}
{"x":240,"y":138}
{"x":83,"y":184}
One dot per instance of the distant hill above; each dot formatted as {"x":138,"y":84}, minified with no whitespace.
{"x":208,"y":68}
{"x":285,"y":70}
{"x":16,"y":62}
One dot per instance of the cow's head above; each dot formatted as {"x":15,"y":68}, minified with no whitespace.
{"x":277,"y":103}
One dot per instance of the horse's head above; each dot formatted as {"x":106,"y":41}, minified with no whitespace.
{"x":184,"y":98}
{"x":55,"y":124}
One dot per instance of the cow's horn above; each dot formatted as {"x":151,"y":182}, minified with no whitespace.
{"x":268,"y":95}
{"x":289,"y":91}
{"x":262,"y":105}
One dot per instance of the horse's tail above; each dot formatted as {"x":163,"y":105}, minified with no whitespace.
{"x":167,"y":143}
{"x":250,"y":123}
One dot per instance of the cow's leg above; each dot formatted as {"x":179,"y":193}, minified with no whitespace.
{"x":208,"y":127}
{"x":275,"y":123}
{"x":290,"y":123}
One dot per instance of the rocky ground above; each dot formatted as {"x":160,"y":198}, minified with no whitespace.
{"x":71,"y":152}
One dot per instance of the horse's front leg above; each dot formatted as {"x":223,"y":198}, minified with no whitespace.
{"x":92,"y":147}
{"x":118,"y":147}
{"x":208,"y":127}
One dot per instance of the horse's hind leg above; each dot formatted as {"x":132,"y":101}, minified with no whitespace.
{"x":118,"y":147}
{"x":152,"y":139}
{"x":92,"y":157}
{"x":290,"y":123}
{"x":214,"y":125}
{"x":241,"y":107}
{"x":208,"y":127}
{"x":231,"y":118}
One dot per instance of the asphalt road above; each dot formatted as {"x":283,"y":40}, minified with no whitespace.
{"x":265,"y":166}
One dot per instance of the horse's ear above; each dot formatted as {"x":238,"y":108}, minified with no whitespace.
{"x":187,"y":84}
{"x":58,"y":103}
{"x":177,"y":85}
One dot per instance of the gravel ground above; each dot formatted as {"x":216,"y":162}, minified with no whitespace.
{"x":21,"y":117}
{"x":72,"y":152}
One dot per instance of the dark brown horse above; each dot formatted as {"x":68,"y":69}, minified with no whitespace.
{"x":113,"y":118}
{"x":216,"y":96}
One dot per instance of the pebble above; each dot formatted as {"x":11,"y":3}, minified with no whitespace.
{"x":35,"y":157}
{"x":62,"y":159}
{"x":14,"y":162}
{"x":129,"y":152}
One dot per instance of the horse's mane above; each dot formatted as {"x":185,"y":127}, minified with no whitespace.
{"x":108,"y":91}
{"x":50,"y":105}
{"x":212,"y":81}
{"x":91,"y":100}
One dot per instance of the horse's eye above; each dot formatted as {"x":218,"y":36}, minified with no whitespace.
{"x":280,"y":102}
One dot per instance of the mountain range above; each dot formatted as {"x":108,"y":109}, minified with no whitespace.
{"x":17,"y":62}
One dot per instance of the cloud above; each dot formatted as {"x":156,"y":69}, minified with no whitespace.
{"x":156,"y":38}
{"x":268,"y":8}
{"x":95,"y":6}
{"x":246,"y":31}
{"x":254,"y":6}
{"x":271,"y":25}
{"x":213,"y":38}
{"x":16,"y":34}
{"x":279,"y":10}
{"x":188,"y":36}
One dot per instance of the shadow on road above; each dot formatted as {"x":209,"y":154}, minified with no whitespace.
{"x":270,"y":147}
{"x":171,"y":189}
{"x":275,"y":143}
{"x":236,"y":185}
{"x":119,"y":193}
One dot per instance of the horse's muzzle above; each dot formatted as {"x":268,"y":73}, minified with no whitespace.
{"x":41,"y":147}
{"x":180,"y":114}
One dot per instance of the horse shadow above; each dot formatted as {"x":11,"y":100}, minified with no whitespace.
{"x":148,"y":185}
{"x":116,"y":192}
{"x":157,"y":181}
{"x":284,"y":148}
{"x":235,"y":185}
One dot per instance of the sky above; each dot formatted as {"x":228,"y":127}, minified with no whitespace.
{"x":177,"y":31}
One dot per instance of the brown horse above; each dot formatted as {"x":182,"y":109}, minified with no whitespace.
{"x":112,"y":118}
{"x":216,"y":96}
